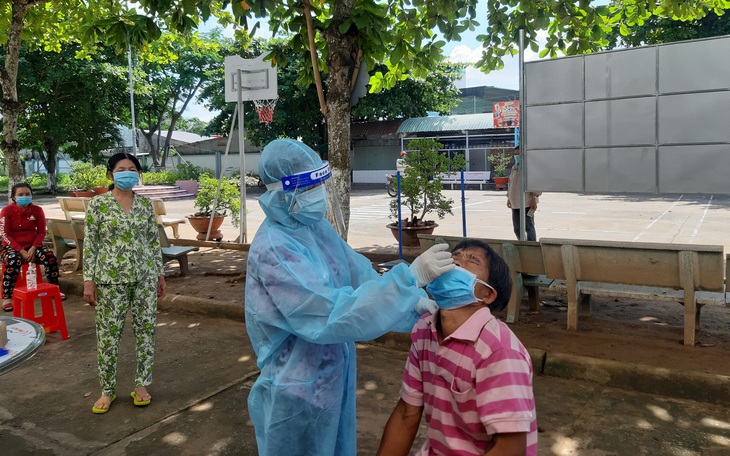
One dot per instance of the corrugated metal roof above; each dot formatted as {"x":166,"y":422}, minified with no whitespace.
{"x":447,"y":123}
{"x":380,"y":128}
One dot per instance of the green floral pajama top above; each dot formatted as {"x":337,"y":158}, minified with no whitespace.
{"x":121,"y":247}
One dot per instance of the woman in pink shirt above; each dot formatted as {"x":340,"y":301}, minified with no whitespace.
{"x":22,"y":229}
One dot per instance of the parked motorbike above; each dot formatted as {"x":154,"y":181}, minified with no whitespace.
{"x":391,"y":184}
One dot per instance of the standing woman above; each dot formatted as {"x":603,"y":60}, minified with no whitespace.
{"x":123,"y":270}
{"x":23,"y":228}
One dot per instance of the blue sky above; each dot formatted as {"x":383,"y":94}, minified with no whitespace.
{"x":468,"y":50}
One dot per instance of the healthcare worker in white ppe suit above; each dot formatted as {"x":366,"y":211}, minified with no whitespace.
{"x":309,"y":297}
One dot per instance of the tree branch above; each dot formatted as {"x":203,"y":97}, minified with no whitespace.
{"x":313,"y":55}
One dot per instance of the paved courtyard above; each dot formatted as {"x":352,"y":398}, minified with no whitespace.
{"x":676,"y":219}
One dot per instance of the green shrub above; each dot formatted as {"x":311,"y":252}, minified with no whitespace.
{"x":159,"y":178}
{"x":83,"y":176}
{"x":188,"y":171}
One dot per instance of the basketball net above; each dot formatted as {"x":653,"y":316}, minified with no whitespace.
{"x":265,"y":109}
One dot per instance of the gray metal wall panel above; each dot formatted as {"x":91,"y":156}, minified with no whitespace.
{"x":694,"y":117}
{"x":555,"y":170}
{"x":694,"y":169}
{"x":694,"y":66}
{"x":691,"y":130}
{"x":629,"y":121}
{"x":624,"y":169}
{"x":620,"y":74}
{"x":556,"y":126}
{"x":556,"y":81}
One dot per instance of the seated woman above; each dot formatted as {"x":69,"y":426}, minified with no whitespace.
{"x":22,"y":229}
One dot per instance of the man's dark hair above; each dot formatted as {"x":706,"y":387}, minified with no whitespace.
{"x":499,"y":275}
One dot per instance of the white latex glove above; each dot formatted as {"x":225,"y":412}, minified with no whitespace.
{"x":426,"y":305}
{"x":431,"y":264}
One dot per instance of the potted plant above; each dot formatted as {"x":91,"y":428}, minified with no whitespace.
{"x":500,"y":162}
{"x":101,"y":182}
{"x":228,"y":201}
{"x":82,"y":179}
{"x":422,"y":190}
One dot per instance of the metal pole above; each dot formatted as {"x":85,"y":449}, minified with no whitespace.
{"x":463,"y":205}
{"x":523,"y":161}
{"x":400,"y":220}
{"x":131,"y":101}
{"x":242,"y":161}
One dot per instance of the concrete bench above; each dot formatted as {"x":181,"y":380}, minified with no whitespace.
{"x":67,"y":235}
{"x":74,"y":207}
{"x":172,"y":222}
{"x":480,"y":178}
{"x":170,"y":252}
{"x":690,"y":274}
{"x":522,"y":257}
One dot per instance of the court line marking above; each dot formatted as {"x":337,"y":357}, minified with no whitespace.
{"x":702,"y":219}
{"x":657,"y":219}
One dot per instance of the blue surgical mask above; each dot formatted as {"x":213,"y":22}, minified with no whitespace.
{"x":126,"y":180}
{"x":455,"y":288}
{"x":23,"y":201}
{"x":310,"y":206}
{"x":517,"y":160}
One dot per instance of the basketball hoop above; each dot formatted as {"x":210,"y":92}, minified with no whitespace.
{"x":265,"y":109}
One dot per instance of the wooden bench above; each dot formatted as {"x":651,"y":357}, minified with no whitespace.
{"x":67,"y":235}
{"x":480,"y":178}
{"x":170,"y":252}
{"x":522,"y":257}
{"x":161,"y":211}
{"x":690,"y":274}
{"x":73,"y":207}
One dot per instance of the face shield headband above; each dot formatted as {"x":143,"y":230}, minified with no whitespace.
{"x":303,"y":180}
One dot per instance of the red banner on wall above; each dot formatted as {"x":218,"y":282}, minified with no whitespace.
{"x":506,"y":114}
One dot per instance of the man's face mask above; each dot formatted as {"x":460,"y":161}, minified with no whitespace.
{"x":310,"y":206}
{"x":455,"y":288}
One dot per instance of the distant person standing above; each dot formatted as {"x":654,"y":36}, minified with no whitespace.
{"x":513,"y":201}
{"x":400,"y":164}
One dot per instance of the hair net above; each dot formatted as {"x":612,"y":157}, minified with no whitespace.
{"x":284,"y":157}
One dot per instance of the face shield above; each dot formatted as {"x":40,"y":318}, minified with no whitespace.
{"x":313,"y":196}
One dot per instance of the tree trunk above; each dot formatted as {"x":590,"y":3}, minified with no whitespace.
{"x":340,"y":64}
{"x":10,"y":106}
{"x":49,"y":161}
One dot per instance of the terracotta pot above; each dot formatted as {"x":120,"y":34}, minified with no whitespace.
{"x":100,"y":190}
{"x":410,"y":233}
{"x":500,"y":183}
{"x":200,"y":224}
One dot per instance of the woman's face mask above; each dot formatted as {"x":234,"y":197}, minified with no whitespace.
{"x":455,"y":288}
{"x":126,"y":180}
{"x":23,"y":201}
{"x":310,"y":206}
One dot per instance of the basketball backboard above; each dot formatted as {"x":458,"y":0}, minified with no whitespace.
{"x":258,"y":77}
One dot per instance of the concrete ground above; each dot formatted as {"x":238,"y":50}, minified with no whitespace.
{"x":677,"y":219}
{"x":204,"y":368}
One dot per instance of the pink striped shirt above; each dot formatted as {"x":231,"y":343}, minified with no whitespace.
{"x":476,"y":383}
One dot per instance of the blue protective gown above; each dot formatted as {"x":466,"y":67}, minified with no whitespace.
{"x":309,"y":297}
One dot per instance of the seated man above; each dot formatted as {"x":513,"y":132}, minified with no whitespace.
{"x":466,"y":369}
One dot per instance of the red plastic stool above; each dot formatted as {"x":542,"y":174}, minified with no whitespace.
{"x":52,"y":317}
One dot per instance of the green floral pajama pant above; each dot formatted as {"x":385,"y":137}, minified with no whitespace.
{"x":113,"y":302}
